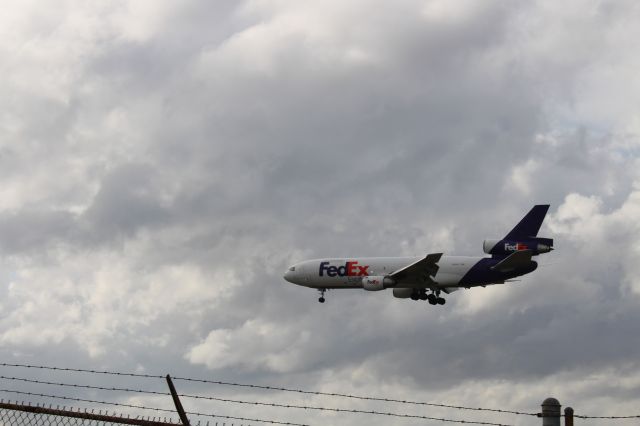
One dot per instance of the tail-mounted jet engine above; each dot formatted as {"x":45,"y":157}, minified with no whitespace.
{"x":507,"y":247}
{"x":377,"y":283}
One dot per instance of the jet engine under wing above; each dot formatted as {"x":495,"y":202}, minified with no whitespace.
{"x":516,"y":260}
{"x":419,"y":273}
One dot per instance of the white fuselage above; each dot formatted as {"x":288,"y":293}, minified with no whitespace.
{"x":332,"y":273}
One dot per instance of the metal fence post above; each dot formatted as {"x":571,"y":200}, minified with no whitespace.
{"x":568,"y":416}
{"x":550,"y":412}
{"x":176,"y":401}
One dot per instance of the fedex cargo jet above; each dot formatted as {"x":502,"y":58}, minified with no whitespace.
{"x":426,"y":278}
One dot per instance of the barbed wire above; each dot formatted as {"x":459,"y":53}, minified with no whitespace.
{"x":265,"y":404}
{"x":359,"y":397}
{"x":637,"y":416}
{"x":74,"y":385}
{"x":282,"y":389}
{"x":141,"y":407}
{"x":343,"y":410}
{"x":82,"y":370}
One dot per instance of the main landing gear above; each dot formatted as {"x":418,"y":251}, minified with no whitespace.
{"x":321,"y":299}
{"x":433,"y":298}
{"x":436,"y":299}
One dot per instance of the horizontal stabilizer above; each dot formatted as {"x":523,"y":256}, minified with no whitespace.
{"x":519,"y":259}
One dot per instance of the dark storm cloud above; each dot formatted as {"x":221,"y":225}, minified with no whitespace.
{"x":360,"y":138}
{"x":128,"y":198}
{"x":34,"y":230}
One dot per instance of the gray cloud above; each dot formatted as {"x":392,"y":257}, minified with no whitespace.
{"x":163,"y":164}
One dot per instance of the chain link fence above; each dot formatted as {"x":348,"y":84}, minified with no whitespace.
{"x":20,"y":414}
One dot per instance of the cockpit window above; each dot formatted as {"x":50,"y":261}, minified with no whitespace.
{"x":292,"y":269}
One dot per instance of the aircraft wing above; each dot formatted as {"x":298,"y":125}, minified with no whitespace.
{"x":513,"y":261}
{"x":420,"y":272}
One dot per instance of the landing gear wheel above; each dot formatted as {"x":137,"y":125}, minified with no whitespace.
{"x":321,"y":290}
{"x":441,"y":301}
{"x":321,"y":300}
{"x":433,"y":300}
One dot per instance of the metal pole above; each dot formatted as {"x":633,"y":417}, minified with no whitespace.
{"x":176,"y":401}
{"x":568,"y":416}
{"x":550,"y":412}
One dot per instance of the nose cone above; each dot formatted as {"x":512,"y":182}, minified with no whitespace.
{"x":294,"y":274}
{"x":288,"y":276}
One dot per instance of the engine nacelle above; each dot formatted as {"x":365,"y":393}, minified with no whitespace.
{"x":377,"y":283}
{"x":403,"y":293}
{"x":507,"y":247}
{"x":488,"y":245}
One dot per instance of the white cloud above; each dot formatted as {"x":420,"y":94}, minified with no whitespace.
{"x":255,"y":345}
{"x":102,"y":298}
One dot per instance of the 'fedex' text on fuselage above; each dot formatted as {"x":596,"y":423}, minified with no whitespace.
{"x":349,"y":269}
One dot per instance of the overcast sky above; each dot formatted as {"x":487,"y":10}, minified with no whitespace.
{"x":162,"y":163}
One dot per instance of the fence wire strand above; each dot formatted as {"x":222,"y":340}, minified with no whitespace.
{"x":282,"y":389}
{"x":265,"y":387}
{"x":268,"y":404}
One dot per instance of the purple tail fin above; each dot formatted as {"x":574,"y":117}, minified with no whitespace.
{"x":530,"y":224}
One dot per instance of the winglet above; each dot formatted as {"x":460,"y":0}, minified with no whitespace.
{"x":530,"y":224}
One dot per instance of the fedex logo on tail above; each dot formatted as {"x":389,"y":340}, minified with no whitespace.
{"x":349,"y":269}
{"x":515,"y":247}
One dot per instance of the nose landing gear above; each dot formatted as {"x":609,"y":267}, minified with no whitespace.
{"x":321,"y":299}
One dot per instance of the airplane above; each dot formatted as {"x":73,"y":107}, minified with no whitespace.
{"x":427,"y":277}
